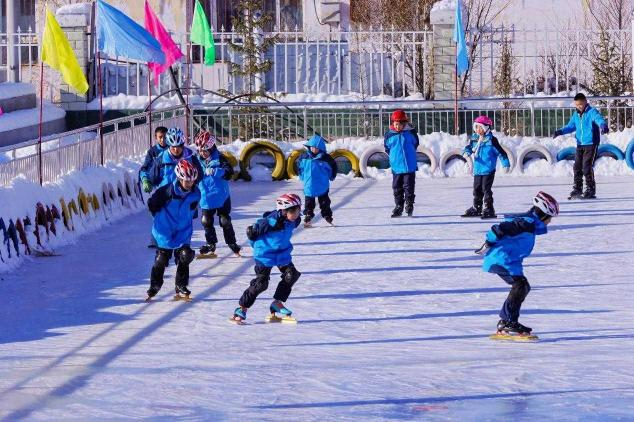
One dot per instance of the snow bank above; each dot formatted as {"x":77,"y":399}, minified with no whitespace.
{"x":18,"y":202}
{"x":441,"y":143}
{"x":30,"y":117}
{"x":74,"y":9}
{"x":14,"y":89}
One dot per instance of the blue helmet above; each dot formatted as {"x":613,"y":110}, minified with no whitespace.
{"x":175,"y":137}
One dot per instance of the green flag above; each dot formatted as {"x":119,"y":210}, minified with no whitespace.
{"x":201,"y":34}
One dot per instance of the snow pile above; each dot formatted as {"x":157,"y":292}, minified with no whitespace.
{"x":443,"y":5}
{"x":30,"y":117}
{"x":74,"y":9}
{"x":15,"y":89}
{"x":441,"y":144}
{"x":18,"y":201}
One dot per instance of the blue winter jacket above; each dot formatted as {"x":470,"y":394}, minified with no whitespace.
{"x":316,"y":170}
{"x":173,"y":209}
{"x":587,"y":126}
{"x":168,"y":163}
{"x":512,"y":241}
{"x":272,"y":246}
{"x":401,"y":148}
{"x":214,"y":188}
{"x":486,"y":153}
{"x":151,"y":168}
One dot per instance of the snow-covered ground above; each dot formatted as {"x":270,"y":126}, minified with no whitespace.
{"x":394,"y":318}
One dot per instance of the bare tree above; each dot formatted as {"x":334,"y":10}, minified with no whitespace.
{"x":480,"y":14}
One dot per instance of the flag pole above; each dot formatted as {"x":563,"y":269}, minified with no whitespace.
{"x":149,"y":93}
{"x":456,"y":125}
{"x":39,"y":142}
{"x":100,"y":106}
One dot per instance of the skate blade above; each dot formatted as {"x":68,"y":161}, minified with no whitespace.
{"x":516,"y":337}
{"x":281,"y":319}
{"x":44,"y":253}
{"x":179,"y":298}
{"x":207,"y":256}
{"x":148,"y":299}
{"x":236,"y":321}
{"x":489,"y":218}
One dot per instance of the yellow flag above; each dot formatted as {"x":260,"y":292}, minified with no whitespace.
{"x":57,"y":53}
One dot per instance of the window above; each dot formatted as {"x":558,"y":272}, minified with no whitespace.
{"x":225,"y":10}
{"x":285,"y":13}
{"x":27,"y":7}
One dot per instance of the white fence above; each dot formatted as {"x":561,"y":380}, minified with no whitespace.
{"x":62,"y":153}
{"x":368,"y":62}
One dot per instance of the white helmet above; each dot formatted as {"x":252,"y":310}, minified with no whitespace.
{"x":546,"y":203}
{"x":288,"y":200}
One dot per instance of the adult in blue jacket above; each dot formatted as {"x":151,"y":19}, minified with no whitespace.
{"x":504,"y":250}
{"x":214,"y":188}
{"x":485,"y":149}
{"x":150,"y":172}
{"x":270,"y":238}
{"x":588,"y":125}
{"x":400,"y":143}
{"x":173,"y":207}
{"x":317,"y":169}
{"x":176,"y":152}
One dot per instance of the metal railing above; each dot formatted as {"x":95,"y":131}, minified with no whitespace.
{"x":538,"y":117}
{"x":126,"y":137}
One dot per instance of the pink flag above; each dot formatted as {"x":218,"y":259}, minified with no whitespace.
{"x":172,"y":53}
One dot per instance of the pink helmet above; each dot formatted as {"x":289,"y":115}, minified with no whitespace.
{"x":288,"y":200}
{"x":205,"y":141}
{"x":546,"y":203}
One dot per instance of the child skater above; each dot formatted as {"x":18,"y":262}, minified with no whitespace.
{"x":176,"y":152}
{"x":215,"y":195}
{"x":173,"y":206}
{"x":270,"y":238}
{"x":485,"y":149}
{"x":400,"y":143}
{"x":150,"y":172}
{"x":317,"y":169}
{"x":506,"y":246}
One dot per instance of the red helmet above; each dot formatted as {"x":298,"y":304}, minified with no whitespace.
{"x":546,"y":203}
{"x":484,"y":120}
{"x":399,"y":116}
{"x":205,"y":141}
{"x":186,"y":171}
{"x":288,"y":200}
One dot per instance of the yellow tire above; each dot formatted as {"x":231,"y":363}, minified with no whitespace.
{"x":95,"y":203}
{"x":72,"y":207}
{"x":82,"y":200}
{"x":291,"y":160}
{"x":233,"y":162}
{"x":66,"y":216}
{"x":279,"y":171}
{"x":354,"y":160}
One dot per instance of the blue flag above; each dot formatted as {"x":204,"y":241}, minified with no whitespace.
{"x":462,"y":57}
{"x":118,"y":35}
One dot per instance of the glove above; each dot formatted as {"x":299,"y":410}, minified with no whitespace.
{"x":210,"y":171}
{"x":147,"y":186}
{"x":604,"y":129}
{"x":557,"y":133}
{"x":251,"y":233}
{"x":484,"y":248}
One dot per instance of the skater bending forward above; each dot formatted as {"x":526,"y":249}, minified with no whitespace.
{"x":173,"y":206}
{"x":270,"y":238}
{"x":506,"y":246}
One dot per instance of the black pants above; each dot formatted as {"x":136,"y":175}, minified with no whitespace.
{"x":403,"y":186}
{"x":519,"y":290}
{"x":184,"y":256}
{"x":324,"y":206}
{"x":482,"y":191}
{"x":225,"y":223}
{"x":584,"y":167}
{"x":261,"y":282}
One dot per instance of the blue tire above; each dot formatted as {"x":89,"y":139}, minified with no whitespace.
{"x":610,"y":151}
{"x":567,"y":153}
{"x":629,"y":152}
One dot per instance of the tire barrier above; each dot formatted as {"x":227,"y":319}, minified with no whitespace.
{"x":35,"y":230}
{"x":433,"y":161}
{"x":344,"y":153}
{"x":365,"y":157}
{"x":233,"y":162}
{"x":454,"y":154}
{"x":612,"y":151}
{"x":279,"y":171}
{"x":291,"y":160}
{"x":567,"y":153}
{"x":629,"y":154}
{"x":533,"y":150}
